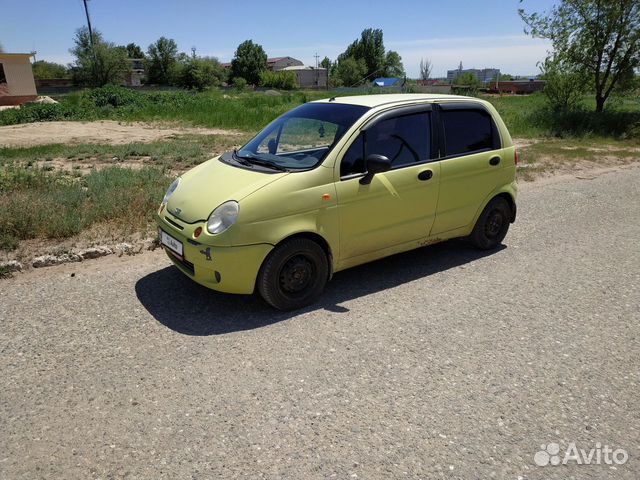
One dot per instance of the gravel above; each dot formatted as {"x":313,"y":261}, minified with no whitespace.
{"x":445,"y":362}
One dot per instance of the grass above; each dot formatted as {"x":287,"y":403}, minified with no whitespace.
{"x":5,"y":272}
{"x":176,"y":153}
{"x":35,"y":203}
{"x":527,"y":116}
{"x":246,"y":111}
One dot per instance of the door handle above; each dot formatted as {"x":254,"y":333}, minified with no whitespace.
{"x":425,"y":175}
{"x":494,"y":161}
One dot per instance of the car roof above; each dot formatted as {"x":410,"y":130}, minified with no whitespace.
{"x":376,"y":100}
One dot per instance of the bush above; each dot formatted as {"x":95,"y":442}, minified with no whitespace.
{"x":284,"y":80}
{"x":200,"y":74}
{"x":239,"y":83}
{"x":112,"y":96}
{"x":564,"y":88}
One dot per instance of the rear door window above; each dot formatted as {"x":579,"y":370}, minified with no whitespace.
{"x":468,"y":131}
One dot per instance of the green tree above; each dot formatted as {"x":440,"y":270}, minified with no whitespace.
{"x":598,"y":37}
{"x":42,"y":69}
{"x":564,"y":86}
{"x":370,"y":49}
{"x":249,"y":60}
{"x":325,"y":63}
{"x":162,"y":61}
{"x":351,"y":71}
{"x":467,"y":79}
{"x":505,"y":77}
{"x":393,"y":65}
{"x":134,"y":51}
{"x":467,"y":84}
{"x":200,"y":73}
{"x":99,"y":64}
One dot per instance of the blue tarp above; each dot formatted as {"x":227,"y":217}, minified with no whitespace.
{"x":385,"y":82}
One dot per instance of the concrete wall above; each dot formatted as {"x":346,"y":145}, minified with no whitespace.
{"x":312,"y":78}
{"x":17,"y":70}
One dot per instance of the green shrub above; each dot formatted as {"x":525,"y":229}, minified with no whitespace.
{"x":239,"y":83}
{"x":284,"y":80}
{"x":564,"y":88}
{"x":113,"y":96}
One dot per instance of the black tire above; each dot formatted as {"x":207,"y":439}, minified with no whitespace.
{"x":294,"y":274}
{"x":492,"y":225}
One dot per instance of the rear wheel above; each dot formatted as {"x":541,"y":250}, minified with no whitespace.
{"x":492,"y":225}
{"x":294,"y":274}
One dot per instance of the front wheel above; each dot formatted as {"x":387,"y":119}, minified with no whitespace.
{"x":492,"y":225}
{"x":294,"y":274}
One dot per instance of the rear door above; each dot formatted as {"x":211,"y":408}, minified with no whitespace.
{"x":471,"y":163}
{"x":398,"y":206}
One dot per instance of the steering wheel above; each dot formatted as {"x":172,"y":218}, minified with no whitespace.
{"x":416,"y":157}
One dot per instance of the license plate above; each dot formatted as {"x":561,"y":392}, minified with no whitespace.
{"x":171,"y":243}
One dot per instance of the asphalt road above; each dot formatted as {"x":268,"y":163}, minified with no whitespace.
{"x":440,"y":363}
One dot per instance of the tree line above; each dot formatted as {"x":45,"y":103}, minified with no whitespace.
{"x":98,"y":62}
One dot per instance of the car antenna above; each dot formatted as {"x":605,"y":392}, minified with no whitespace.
{"x":332,"y":99}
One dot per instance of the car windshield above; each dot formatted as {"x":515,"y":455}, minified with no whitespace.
{"x":302,"y":138}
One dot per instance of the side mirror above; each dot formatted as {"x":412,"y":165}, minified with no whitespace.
{"x":375,"y":164}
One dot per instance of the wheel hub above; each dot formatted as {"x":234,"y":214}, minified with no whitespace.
{"x":494,"y":224}
{"x":296,"y":274}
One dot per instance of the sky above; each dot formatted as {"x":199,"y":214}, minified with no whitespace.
{"x":487,"y":33}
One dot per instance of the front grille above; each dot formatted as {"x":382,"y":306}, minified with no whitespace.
{"x":182,"y":263}
{"x":178,"y":226}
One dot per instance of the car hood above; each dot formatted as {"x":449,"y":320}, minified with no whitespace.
{"x":211,"y":183}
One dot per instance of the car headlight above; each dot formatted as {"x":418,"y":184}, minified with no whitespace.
{"x":223,"y":217}
{"x":172,"y":188}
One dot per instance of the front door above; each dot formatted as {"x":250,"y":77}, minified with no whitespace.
{"x":398,"y":206}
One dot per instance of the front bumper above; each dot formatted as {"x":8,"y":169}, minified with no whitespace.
{"x":225,"y":269}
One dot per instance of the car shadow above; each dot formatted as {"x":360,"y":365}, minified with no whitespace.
{"x":191,"y":309}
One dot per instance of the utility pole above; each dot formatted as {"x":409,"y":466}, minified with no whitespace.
{"x":317,"y":71}
{"x":86,"y":11}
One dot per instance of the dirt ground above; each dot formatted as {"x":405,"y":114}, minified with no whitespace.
{"x":102,"y":132}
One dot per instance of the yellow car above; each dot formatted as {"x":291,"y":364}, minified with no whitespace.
{"x":336,"y":183}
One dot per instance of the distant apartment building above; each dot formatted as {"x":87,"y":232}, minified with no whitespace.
{"x":485,"y":75}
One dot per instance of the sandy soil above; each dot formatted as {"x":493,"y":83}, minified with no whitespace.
{"x":103,"y":132}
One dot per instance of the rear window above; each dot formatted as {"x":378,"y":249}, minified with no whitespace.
{"x":468,"y":131}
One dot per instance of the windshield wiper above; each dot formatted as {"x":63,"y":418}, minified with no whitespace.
{"x":240,"y":159}
{"x":251,"y":160}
